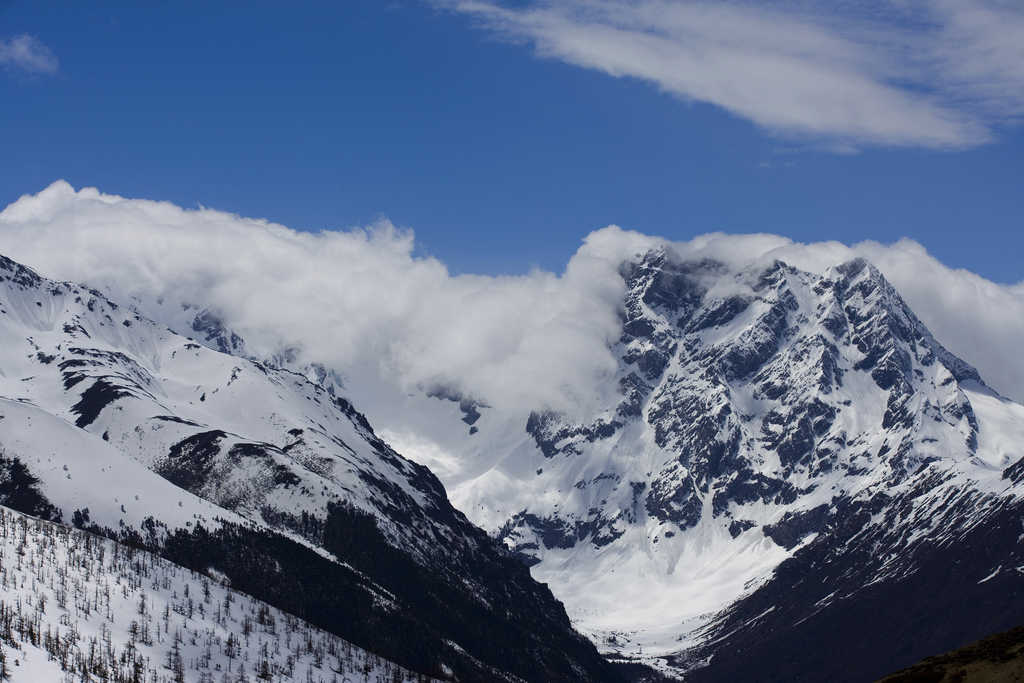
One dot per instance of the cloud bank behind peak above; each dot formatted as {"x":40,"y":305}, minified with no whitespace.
{"x":361,"y":301}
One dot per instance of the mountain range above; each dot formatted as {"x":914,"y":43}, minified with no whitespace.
{"x":786,"y":477}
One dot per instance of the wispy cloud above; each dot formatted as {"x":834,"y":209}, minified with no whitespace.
{"x":908,"y":73}
{"x":27,"y":55}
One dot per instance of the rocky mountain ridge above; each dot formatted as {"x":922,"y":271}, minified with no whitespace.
{"x":744,"y":393}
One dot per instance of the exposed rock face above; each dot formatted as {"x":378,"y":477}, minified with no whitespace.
{"x":741,"y":380}
{"x":216,"y":335}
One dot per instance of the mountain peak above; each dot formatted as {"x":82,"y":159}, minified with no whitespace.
{"x":760,"y":401}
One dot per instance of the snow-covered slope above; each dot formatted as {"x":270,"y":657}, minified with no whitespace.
{"x":226,"y":465}
{"x":72,"y":603}
{"x":236,"y":433}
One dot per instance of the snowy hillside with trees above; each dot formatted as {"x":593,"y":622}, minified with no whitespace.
{"x":77,"y":607}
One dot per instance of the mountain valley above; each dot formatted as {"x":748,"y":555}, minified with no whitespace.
{"x":785,"y":470}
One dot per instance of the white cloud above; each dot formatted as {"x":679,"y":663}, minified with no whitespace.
{"x":357,"y":300}
{"x":360,"y":301}
{"x":875,"y":72}
{"x":27,"y":55}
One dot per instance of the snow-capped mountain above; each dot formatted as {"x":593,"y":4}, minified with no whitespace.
{"x":784,"y":471}
{"x":770,"y":435}
{"x":770,"y":420}
{"x":263,"y":478}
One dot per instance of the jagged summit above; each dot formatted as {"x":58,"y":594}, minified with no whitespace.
{"x":754,"y":389}
{"x":756,"y":410}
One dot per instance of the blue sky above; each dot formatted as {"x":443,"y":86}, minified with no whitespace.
{"x":503,"y":135}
